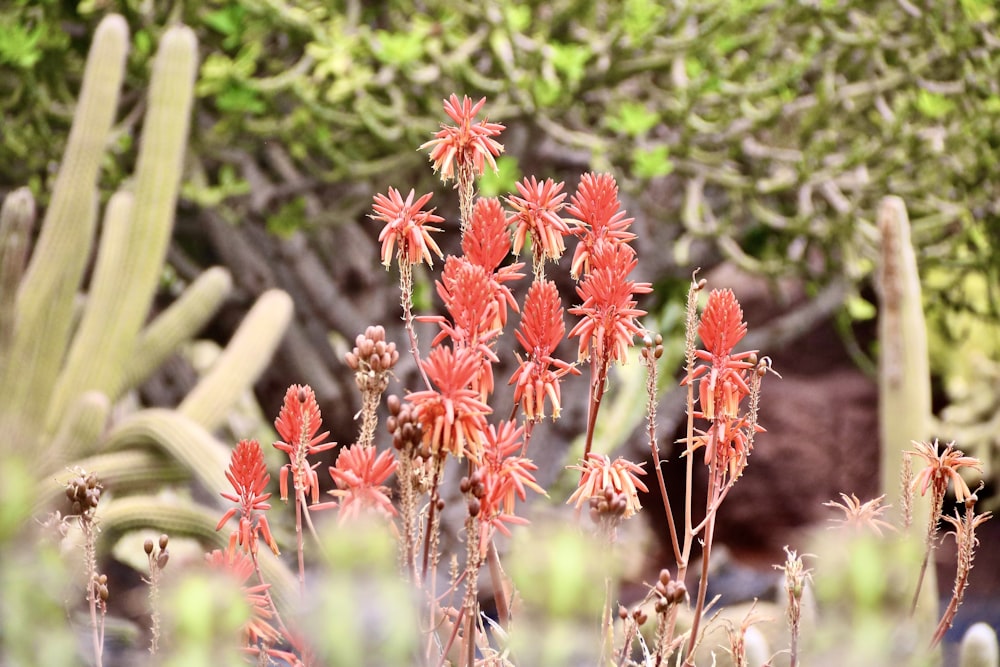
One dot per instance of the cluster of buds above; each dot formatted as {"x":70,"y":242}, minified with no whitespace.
{"x":607,"y":509}
{"x":403,"y":424}
{"x":84,"y":493}
{"x":652,"y":347}
{"x":100,"y":584}
{"x":669,"y":592}
{"x":638,"y":615}
{"x":157,"y":558}
{"x":476,"y":489}
{"x":372,"y":359}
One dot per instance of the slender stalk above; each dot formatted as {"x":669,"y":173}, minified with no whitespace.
{"x":433,"y":520}
{"x":496,"y":576}
{"x":649,"y":359}
{"x":705,"y":555}
{"x":406,"y":300}
{"x":599,"y":376}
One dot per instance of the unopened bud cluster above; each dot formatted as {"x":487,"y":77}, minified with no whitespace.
{"x":669,"y":592}
{"x":608,"y":506}
{"x":474,"y":487}
{"x":371,"y":358}
{"x":407,"y":433}
{"x":157,"y":559}
{"x":101,"y":593}
{"x":84,"y":493}
{"x":638,"y":615}
{"x":652,"y":346}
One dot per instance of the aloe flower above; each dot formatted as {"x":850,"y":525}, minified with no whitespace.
{"x":598,"y":219}
{"x":942,"y":466}
{"x":406,"y":225}
{"x":241,"y":567}
{"x":538,"y":375}
{"x":298,"y":424}
{"x":360,"y":475}
{"x":536,"y":210}
{"x":465,"y":144}
{"x":452,"y":416}
{"x":487,"y":243}
{"x":248,"y":475}
{"x":504,"y":477}
{"x":608,"y":313}
{"x":602,"y":475}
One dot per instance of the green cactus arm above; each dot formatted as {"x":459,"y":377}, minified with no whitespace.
{"x":979,"y":647}
{"x":80,"y":428}
{"x":240,"y":364}
{"x":135,"y":236}
{"x":93,"y":362}
{"x":178,"y":324}
{"x":17,"y":221}
{"x":904,"y":371}
{"x":127,"y":471}
{"x":178,"y":437}
{"x":176,"y":518}
{"x":48,"y":289}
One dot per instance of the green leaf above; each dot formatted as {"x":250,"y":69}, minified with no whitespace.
{"x":859,"y":308}
{"x":503,"y":181}
{"x":933,"y":105}
{"x":633,"y":119}
{"x":570,"y":60}
{"x":518,"y":17}
{"x":640,"y":19}
{"x":651,"y":162}
{"x":546,"y":91}
{"x":229,"y":22}
{"x":400,"y":49}
{"x":979,"y":11}
{"x":19,"y":46}
{"x":239,"y":98}
{"x":288,"y":218}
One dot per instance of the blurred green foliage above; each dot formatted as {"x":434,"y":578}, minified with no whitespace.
{"x":771,"y":128}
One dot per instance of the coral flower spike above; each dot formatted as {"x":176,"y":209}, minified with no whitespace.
{"x":248,"y":476}
{"x":466,"y":142}
{"x":406,"y":225}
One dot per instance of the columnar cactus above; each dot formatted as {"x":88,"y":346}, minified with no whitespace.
{"x":904,"y":372}
{"x":63,"y":367}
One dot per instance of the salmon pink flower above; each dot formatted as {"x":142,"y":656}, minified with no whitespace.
{"x":501,"y":478}
{"x":465,"y":144}
{"x":452,"y":416}
{"x":408,"y":225}
{"x":942,"y":466}
{"x":542,"y":329}
{"x":487,"y":243}
{"x":721,"y":328}
{"x":298,"y":423}
{"x":248,"y":475}
{"x":241,"y":567}
{"x":598,"y":219}
{"x":360,"y":475}
{"x":608,"y":313}
{"x":470,"y":298}
{"x":536,"y":210}
{"x":602,"y":476}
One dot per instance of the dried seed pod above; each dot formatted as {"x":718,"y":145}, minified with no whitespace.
{"x":147,"y":546}
{"x":164,"y":539}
